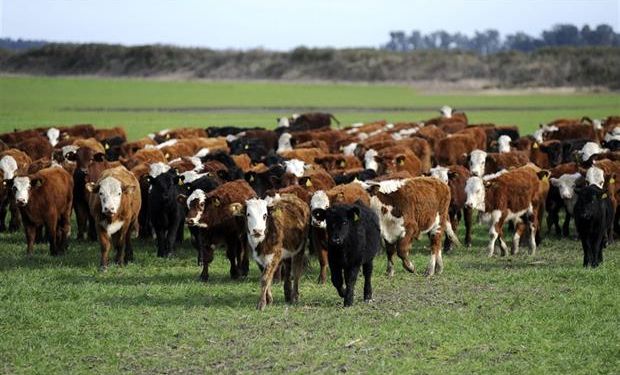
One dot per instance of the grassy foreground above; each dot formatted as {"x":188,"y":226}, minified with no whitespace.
{"x":542,"y":314}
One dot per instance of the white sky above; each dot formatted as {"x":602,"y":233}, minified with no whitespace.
{"x":284,"y":24}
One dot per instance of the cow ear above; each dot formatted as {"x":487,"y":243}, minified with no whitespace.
{"x":305,"y":181}
{"x":106,"y":145}
{"x":275,"y":180}
{"x":129,"y":189}
{"x":71,"y":156}
{"x":99,"y":157}
{"x":36,"y":182}
{"x":236,"y":209}
{"x":319,"y":214}
{"x":215,"y":202}
{"x":91,"y":187}
{"x":250,"y":176}
{"x":452,"y":175}
{"x":223,"y":174}
{"x":400,"y":160}
{"x":178,"y":180}
{"x":543,"y":175}
{"x":354,"y":214}
{"x":373,"y":189}
{"x":182,"y":198}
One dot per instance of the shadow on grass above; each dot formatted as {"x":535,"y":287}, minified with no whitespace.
{"x":206,"y":299}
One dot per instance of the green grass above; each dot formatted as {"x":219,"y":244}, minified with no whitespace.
{"x":520,"y":314}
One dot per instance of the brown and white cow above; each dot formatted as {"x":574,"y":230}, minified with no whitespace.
{"x":115,"y":202}
{"x":277,"y":230}
{"x":44,"y":199}
{"x":408,"y":208}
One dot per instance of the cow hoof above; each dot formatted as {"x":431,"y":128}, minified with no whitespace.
{"x":409,"y":267}
{"x":390,"y":272}
{"x":103,"y":269}
{"x":321,"y":280}
{"x":369,"y":300}
{"x":429,"y":273}
{"x":261,"y":305}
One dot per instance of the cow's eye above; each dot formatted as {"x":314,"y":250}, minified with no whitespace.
{"x":264,"y":216}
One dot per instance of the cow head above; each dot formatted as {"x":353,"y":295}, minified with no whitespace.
{"x":341,"y":221}
{"x":477,"y":162}
{"x":284,"y":142}
{"x":370,"y":161}
{"x":165,"y":187}
{"x":84,"y":156}
{"x":475,"y":190}
{"x":53,"y":135}
{"x":318,"y":204}
{"x":566,"y":184}
{"x":256,"y":218}
{"x":503,"y":143}
{"x":24,"y":186}
{"x":440,"y":173}
{"x":110,"y":192}
{"x":196,"y":203}
{"x":595,"y":176}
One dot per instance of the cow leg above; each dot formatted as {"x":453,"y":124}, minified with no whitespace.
{"x":553,"y":220}
{"x":367,"y":270}
{"x":15,"y":216}
{"x":173,"y":234}
{"x":403,"y":252}
{"x":566,"y":225}
{"x":436,"y":262}
{"x":585,"y":244}
{"x":516,"y":239}
{"x":350,"y":277}
{"x":286,"y":270}
{"x":51,"y":228}
{"x":206,"y":251}
{"x":502,"y":243}
{"x":104,"y":242}
{"x":596,"y":248}
{"x":266,"y":280}
{"x":493,"y":234}
{"x":298,"y":267}
{"x":390,"y":250}
{"x":81,"y":217}
{"x":179,"y":231}
{"x":119,"y":245}
{"x":467,"y":215}
{"x":3,"y":206}
{"x":317,"y":246}
{"x":232,"y":250}
{"x":31,"y":234}
{"x":454,"y":221}
{"x":92,"y":231}
{"x":161,"y":242}
{"x":64,"y":228}
{"x":533,"y":233}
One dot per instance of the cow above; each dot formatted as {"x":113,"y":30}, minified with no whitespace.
{"x":12,"y":163}
{"x":449,"y":150}
{"x":36,"y":147}
{"x":322,"y":200}
{"x":594,"y":220}
{"x":213,"y":224}
{"x":511,"y":196}
{"x":408,"y":208}
{"x":565,"y":185}
{"x":482,"y":163}
{"x":306,"y":121}
{"x":115,"y":202}
{"x":166,"y":213}
{"x":44,"y":199}
{"x":277,"y":230}
{"x":354,"y":239}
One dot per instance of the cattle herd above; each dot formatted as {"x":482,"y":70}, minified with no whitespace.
{"x":342,"y":193}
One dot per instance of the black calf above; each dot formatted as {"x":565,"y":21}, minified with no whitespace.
{"x":593,"y":218}
{"x":166,"y":213}
{"x":353,"y":240}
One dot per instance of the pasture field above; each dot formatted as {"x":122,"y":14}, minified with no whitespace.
{"x":515,"y":314}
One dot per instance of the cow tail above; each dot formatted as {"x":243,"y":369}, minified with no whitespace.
{"x":450,"y":233}
{"x":335,"y":119}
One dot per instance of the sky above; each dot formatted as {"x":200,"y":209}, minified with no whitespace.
{"x":284,"y":24}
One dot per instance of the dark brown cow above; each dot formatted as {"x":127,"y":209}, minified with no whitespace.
{"x":450,"y":150}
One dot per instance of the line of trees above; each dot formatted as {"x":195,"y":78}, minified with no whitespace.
{"x":490,"y":41}
{"x":20,"y":44}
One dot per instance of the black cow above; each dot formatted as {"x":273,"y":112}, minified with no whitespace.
{"x":345,"y":178}
{"x":166,"y":213}
{"x":267,"y":180}
{"x":570,"y":147}
{"x":233,"y":172}
{"x":223,"y":131}
{"x":353,"y":240}
{"x":593,"y":219}
{"x":112,"y":147}
{"x":254,"y":148}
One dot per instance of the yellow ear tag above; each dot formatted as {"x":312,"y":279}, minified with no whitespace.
{"x":216,"y":203}
{"x":545,"y":178}
{"x":251,"y":178}
{"x":308,"y":183}
{"x":180,"y":182}
{"x":276,"y":212}
{"x":356,"y":217}
{"x":246,"y":147}
{"x":535,"y":145}
{"x":107,"y":146}
{"x":604,"y":196}
{"x":343,"y":164}
{"x":612,"y":180}
{"x":167,"y":136}
{"x":401,"y":162}
{"x":166,"y":155}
